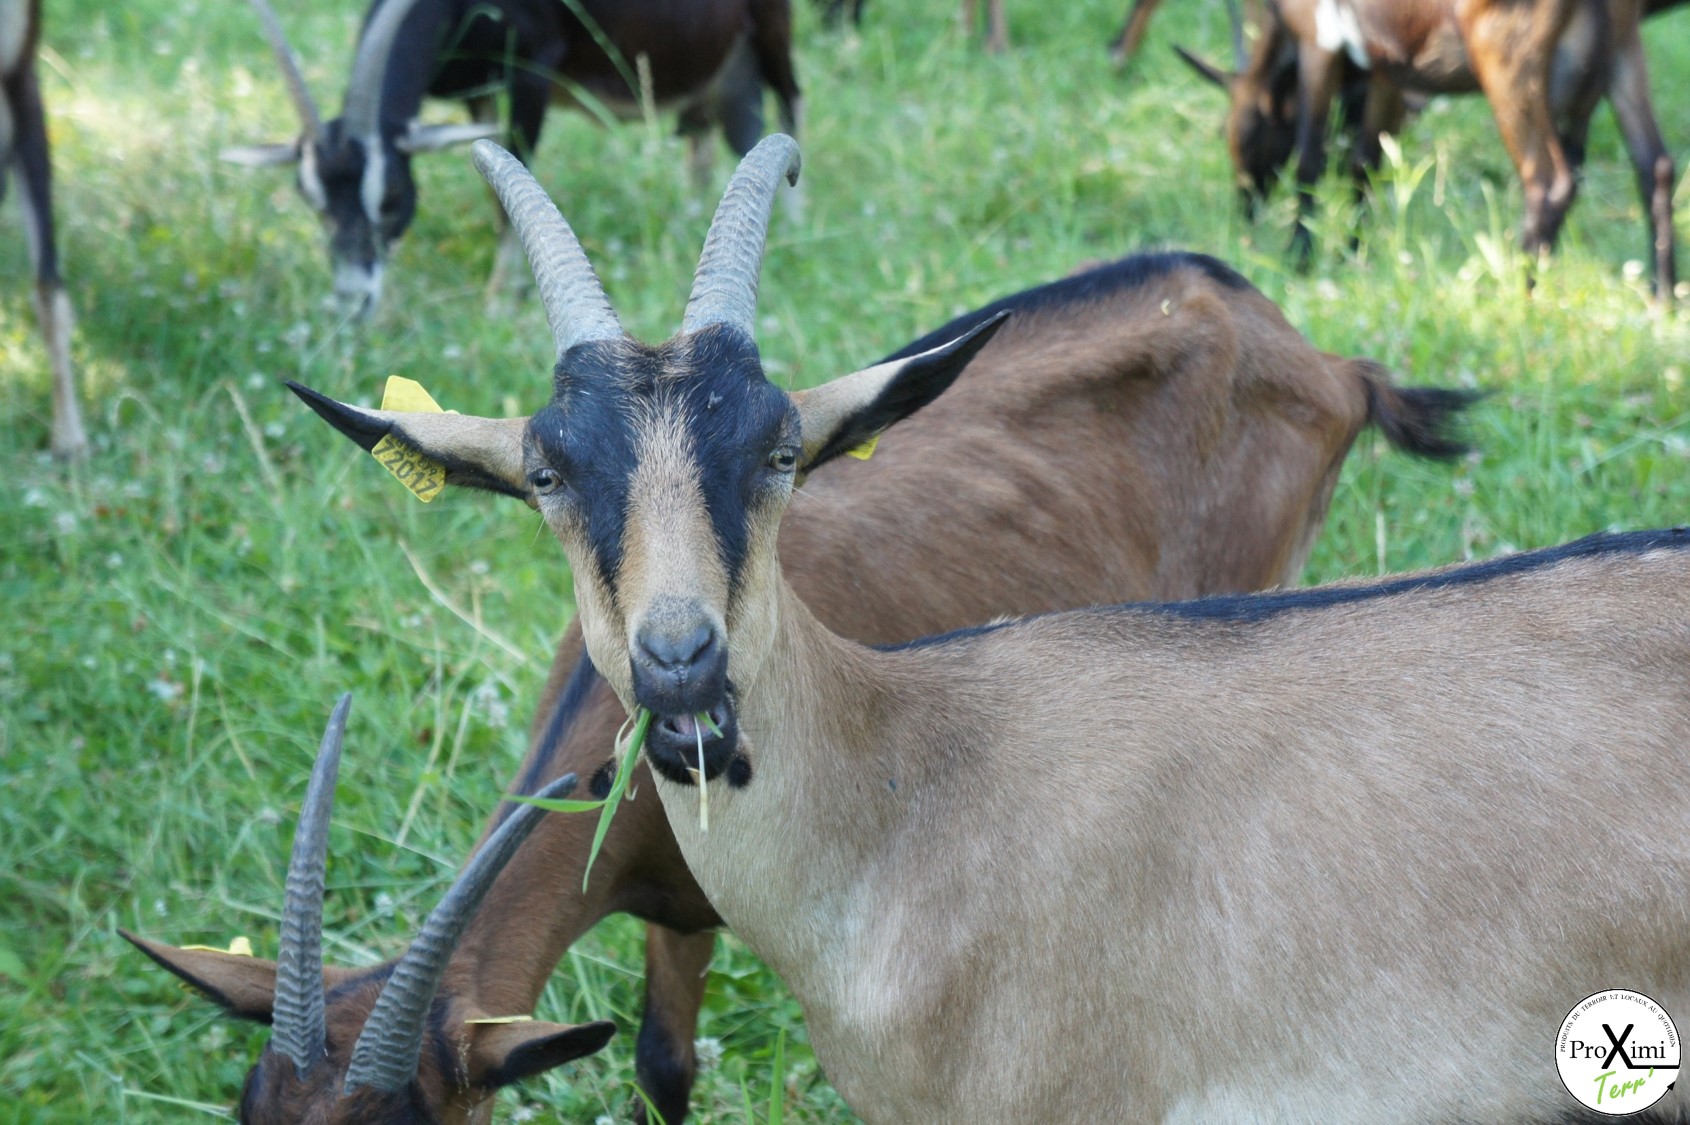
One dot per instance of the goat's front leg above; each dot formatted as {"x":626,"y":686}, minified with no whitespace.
{"x":1629,"y":93}
{"x":664,"y":1058}
{"x":52,"y":305}
{"x":1317,"y":79}
{"x":1132,"y":31}
{"x":1511,"y":48}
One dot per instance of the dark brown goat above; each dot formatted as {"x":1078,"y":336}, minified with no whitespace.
{"x":1152,"y":428}
{"x":23,"y":148}
{"x":1544,"y":65}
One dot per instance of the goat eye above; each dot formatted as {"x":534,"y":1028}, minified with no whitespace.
{"x":544,"y":481}
{"x":784,"y":459}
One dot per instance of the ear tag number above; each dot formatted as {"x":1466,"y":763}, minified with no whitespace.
{"x":425,"y":478}
{"x":864,"y":451}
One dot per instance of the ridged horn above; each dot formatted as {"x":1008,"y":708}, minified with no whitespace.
{"x":385,"y":1056}
{"x":724,"y":288}
{"x":298,"y":1015}
{"x":362,"y":112}
{"x":576,"y":306}
{"x":292,"y":77}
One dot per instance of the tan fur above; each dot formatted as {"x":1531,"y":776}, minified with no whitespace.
{"x":1103,"y":452}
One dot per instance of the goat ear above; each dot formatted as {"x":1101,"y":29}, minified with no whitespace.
{"x":502,"y":1053}
{"x":262,"y":156}
{"x":484,"y":453}
{"x":1208,"y":71}
{"x":841,"y":415}
{"x":244,"y":986}
{"x":432,"y":138}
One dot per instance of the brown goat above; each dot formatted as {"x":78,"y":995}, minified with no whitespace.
{"x":23,"y":147}
{"x":1151,"y":428}
{"x":1099,"y":448}
{"x":1544,"y":65}
{"x":1186,"y":862}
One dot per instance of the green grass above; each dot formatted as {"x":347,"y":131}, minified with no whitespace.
{"x":181,"y":612}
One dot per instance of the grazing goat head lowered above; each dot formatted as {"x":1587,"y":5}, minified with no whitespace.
{"x":712,"y":64}
{"x":1245,"y":829}
{"x":321,"y":1067}
{"x":1543,"y":65}
{"x":24,"y":151}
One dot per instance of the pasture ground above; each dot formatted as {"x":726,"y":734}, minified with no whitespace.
{"x":180,"y":612}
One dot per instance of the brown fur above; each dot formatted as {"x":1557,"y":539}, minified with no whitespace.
{"x":1170,"y":441}
{"x":1543,"y":64}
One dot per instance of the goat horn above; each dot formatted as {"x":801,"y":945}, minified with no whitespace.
{"x":291,"y":75}
{"x":362,"y":113}
{"x":386,"y":1054}
{"x":298,"y":1014}
{"x":576,"y":306}
{"x":1240,"y":56}
{"x":724,"y":288}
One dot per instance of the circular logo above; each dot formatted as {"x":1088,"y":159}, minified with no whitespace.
{"x":1617,"y":1052}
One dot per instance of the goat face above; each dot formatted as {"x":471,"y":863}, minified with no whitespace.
{"x":664,"y":470}
{"x":362,"y":191}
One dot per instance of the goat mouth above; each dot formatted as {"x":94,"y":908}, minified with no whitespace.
{"x":675,"y":743}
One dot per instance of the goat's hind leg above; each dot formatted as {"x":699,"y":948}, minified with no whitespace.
{"x":52,"y":305}
{"x":1629,"y":93}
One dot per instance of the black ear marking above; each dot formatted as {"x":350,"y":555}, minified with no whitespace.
{"x":923,"y":379}
{"x":739,"y":770}
{"x":364,"y":429}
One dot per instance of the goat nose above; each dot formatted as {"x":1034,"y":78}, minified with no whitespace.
{"x":677,"y":652}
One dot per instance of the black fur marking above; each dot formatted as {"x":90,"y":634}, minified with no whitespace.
{"x":1253,"y":608}
{"x":663,"y":1073}
{"x":582,"y":679}
{"x":739,"y":771}
{"x":539,"y":1055}
{"x":602,"y":779}
{"x":914,"y":387}
{"x":203,"y":987}
{"x":1419,"y":420}
{"x":1132,"y":272}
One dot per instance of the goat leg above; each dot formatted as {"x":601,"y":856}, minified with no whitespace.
{"x":1629,"y":93}
{"x":664,"y":1058}
{"x":1317,"y":81}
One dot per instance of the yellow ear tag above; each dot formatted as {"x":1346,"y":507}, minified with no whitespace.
{"x":240,"y":947}
{"x":486,"y":1020}
{"x":423,"y":477}
{"x":864,"y":451}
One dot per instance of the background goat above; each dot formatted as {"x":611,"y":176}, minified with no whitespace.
{"x":1183,"y":452}
{"x":317,"y":1066}
{"x":23,"y":149}
{"x":1544,"y":66}
{"x":1244,"y":828}
{"x":709,"y":59}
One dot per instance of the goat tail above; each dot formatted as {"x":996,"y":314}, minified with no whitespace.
{"x":1424,"y":421}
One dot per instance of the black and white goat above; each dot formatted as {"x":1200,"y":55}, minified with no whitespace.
{"x":23,"y":150}
{"x":709,"y":59}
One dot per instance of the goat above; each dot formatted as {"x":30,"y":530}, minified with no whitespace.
{"x":997,"y":23}
{"x":709,"y":59}
{"x":1211,"y":439}
{"x":320,"y":1067}
{"x":1544,"y":66}
{"x":23,"y":145}
{"x":1203,"y":855}
{"x":1166,"y":454}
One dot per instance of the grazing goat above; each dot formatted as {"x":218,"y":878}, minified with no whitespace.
{"x":23,"y":147}
{"x":710,"y":59}
{"x":318,"y":1066}
{"x":868,"y":792}
{"x":1098,"y":449}
{"x":1544,"y":65}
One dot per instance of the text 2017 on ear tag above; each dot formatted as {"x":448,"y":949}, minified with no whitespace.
{"x":425,"y":478}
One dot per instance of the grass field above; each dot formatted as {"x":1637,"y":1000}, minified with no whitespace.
{"x":180,"y":612}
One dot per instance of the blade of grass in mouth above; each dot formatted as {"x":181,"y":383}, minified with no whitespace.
{"x":618,"y":789}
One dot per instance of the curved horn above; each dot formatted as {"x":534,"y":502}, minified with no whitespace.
{"x":576,"y":306}
{"x":362,"y":113}
{"x":724,"y":289}
{"x":291,"y":75}
{"x":298,"y":1014}
{"x":385,"y":1056}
